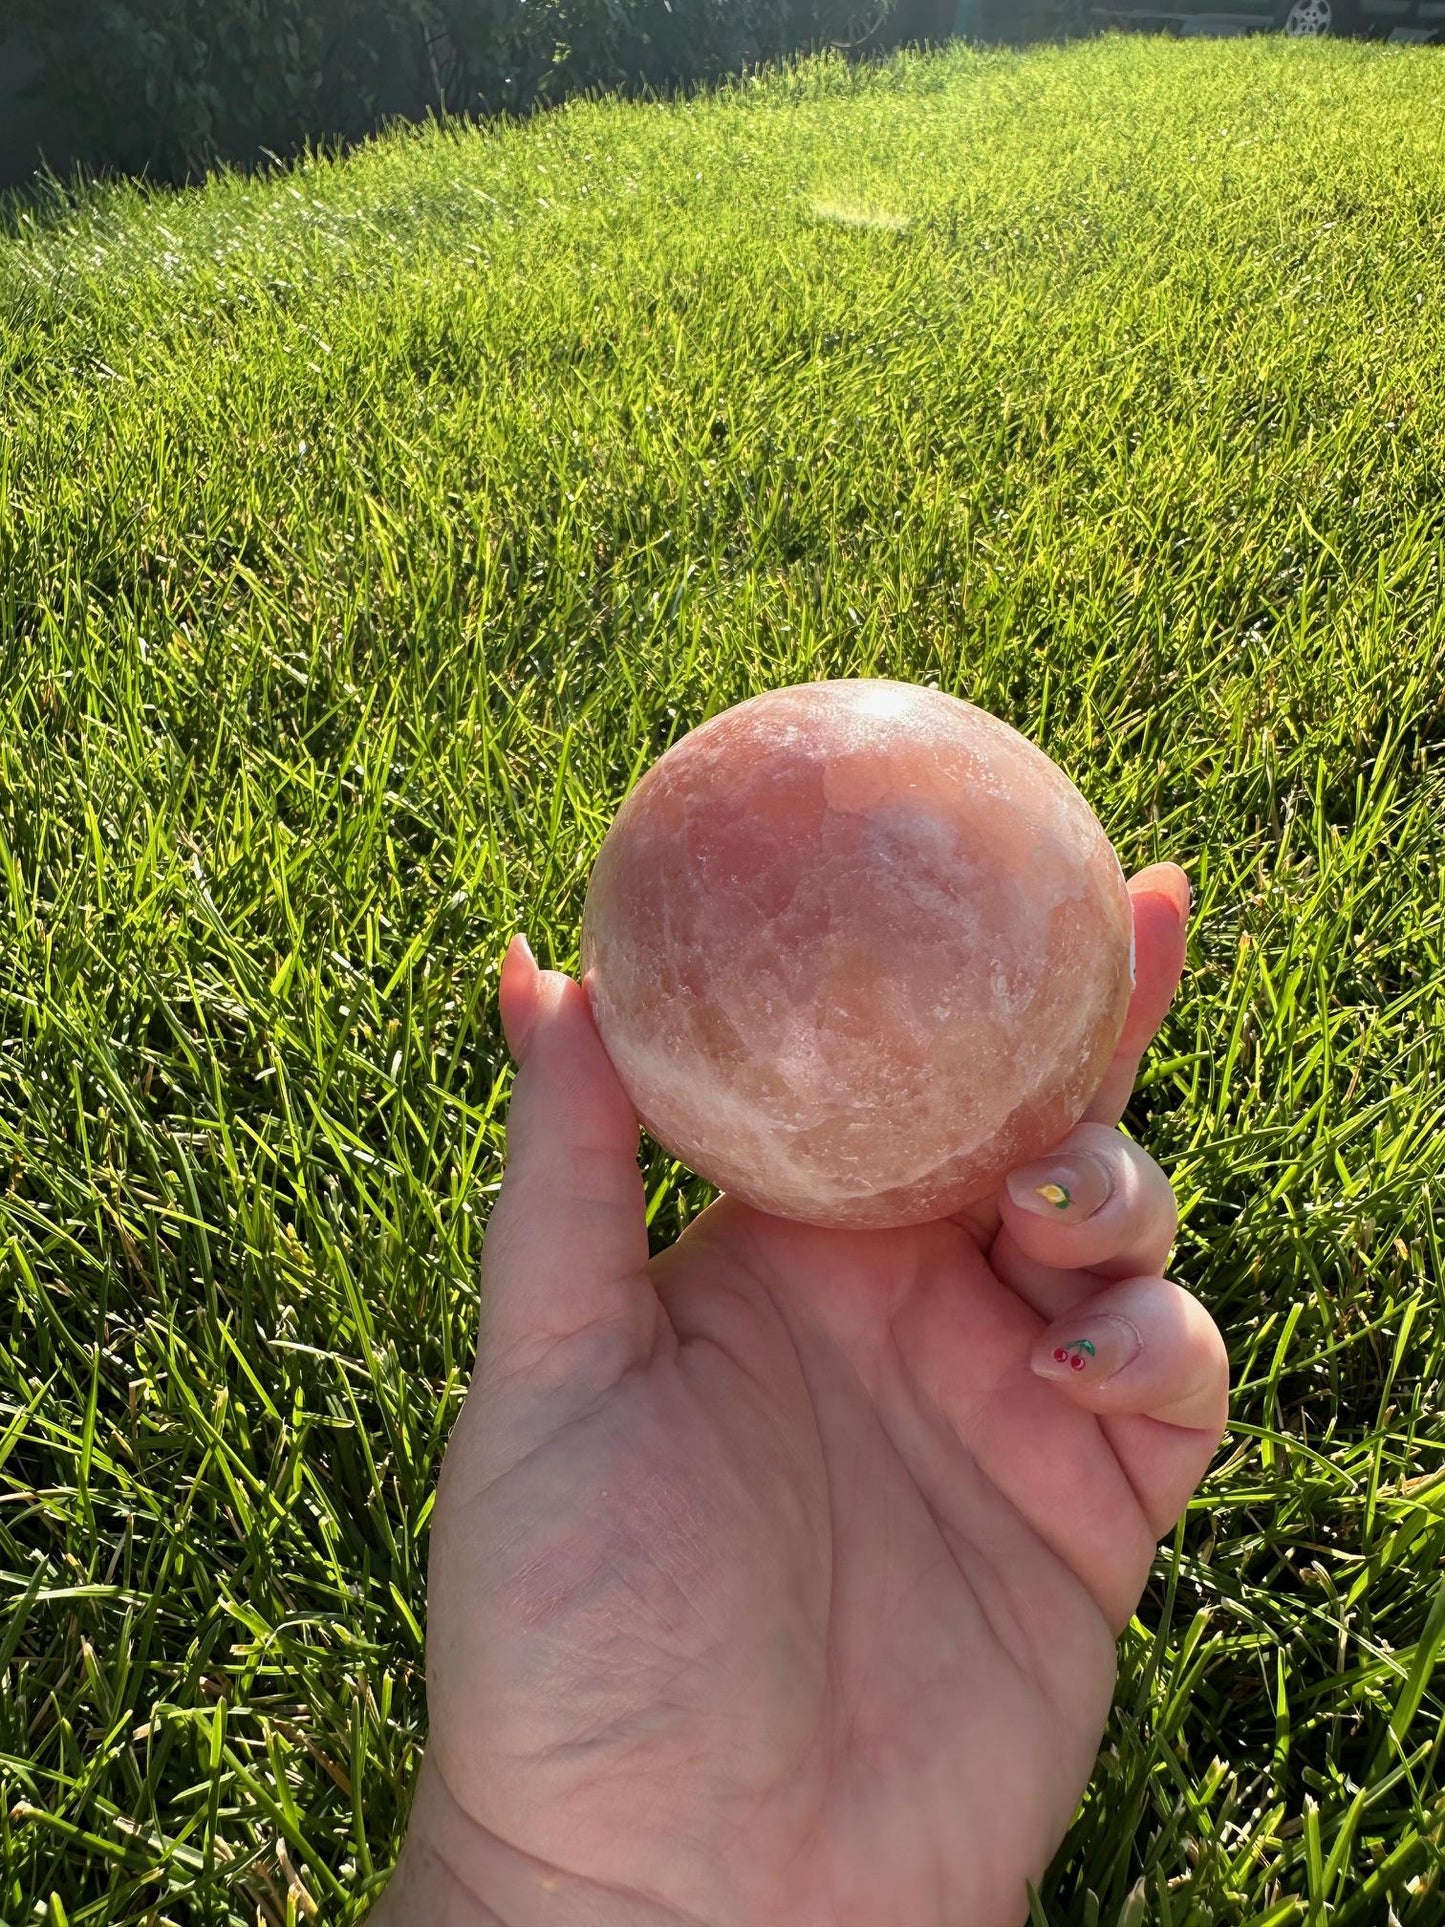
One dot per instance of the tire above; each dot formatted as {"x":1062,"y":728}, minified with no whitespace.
{"x":1313,"y":19}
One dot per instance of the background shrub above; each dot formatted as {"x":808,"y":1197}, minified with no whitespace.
{"x":167,"y":86}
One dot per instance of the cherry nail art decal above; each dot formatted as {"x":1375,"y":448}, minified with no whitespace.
{"x":1099,"y":1359}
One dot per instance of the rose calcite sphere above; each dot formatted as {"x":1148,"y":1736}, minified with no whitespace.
{"x":855,"y":950}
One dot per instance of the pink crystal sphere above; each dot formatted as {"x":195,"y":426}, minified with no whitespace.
{"x":855,"y":950}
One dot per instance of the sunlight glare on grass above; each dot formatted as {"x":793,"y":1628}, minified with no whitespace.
{"x":847,"y":215}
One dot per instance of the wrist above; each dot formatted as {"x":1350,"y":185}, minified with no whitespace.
{"x":454,"y":1873}
{"x":424,"y":1889}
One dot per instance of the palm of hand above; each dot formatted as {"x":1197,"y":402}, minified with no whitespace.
{"x":780,"y":1588}
{"x":770,"y":1591}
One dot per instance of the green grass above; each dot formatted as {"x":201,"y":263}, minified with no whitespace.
{"x":366,"y":530}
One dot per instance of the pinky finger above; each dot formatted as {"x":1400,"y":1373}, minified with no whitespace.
{"x":1142,"y":1345}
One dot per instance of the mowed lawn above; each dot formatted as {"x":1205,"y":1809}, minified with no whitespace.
{"x":366,"y":530}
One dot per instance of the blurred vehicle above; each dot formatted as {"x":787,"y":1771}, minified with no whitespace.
{"x":1024,"y":20}
{"x":1401,"y":20}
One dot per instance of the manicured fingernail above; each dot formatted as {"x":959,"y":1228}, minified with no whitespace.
{"x":1069,"y":1188}
{"x":1099,"y":1345}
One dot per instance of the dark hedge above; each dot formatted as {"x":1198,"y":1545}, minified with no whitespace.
{"x":168,"y":86}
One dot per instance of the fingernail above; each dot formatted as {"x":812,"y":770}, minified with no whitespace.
{"x":1068,"y":1188}
{"x":1167,"y":880}
{"x":1100,"y":1344}
{"x":519,"y":951}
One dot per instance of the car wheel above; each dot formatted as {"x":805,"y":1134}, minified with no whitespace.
{"x":1310,"y":19}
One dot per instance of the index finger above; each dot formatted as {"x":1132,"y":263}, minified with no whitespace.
{"x":1161,"y":900}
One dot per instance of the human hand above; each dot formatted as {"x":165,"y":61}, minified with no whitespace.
{"x":771,"y":1586}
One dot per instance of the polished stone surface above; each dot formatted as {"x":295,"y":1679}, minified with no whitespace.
{"x":855,"y":949}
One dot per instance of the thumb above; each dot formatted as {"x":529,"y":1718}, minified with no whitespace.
{"x":566,"y":1245}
